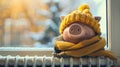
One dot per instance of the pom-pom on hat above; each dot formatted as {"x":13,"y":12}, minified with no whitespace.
{"x":82,"y":15}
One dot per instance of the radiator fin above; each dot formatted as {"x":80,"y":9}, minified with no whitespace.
{"x":46,"y":61}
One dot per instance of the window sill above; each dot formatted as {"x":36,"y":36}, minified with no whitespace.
{"x":23,"y":51}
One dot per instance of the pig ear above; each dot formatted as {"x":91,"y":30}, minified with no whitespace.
{"x":62,"y":17}
{"x":98,"y":18}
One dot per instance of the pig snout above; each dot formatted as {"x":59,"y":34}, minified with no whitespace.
{"x":77,"y":32}
{"x":75,"y":29}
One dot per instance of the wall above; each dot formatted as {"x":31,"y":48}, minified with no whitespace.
{"x":115,"y":17}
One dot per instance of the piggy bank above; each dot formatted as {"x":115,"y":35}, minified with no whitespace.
{"x":80,"y":35}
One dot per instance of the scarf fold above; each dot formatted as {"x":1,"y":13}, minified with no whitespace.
{"x":90,"y":47}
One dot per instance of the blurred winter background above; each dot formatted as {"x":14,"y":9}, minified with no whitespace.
{"x":35,"y":23}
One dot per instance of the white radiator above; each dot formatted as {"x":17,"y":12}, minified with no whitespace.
{"x":44,"y":61}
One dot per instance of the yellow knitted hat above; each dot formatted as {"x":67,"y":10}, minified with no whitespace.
{"x":82,"y":15}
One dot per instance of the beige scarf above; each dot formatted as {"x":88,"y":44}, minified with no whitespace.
{"x":90,"y":47}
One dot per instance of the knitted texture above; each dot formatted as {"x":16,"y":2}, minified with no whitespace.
{"x":91,"y":47}
{"x":82,"y":15}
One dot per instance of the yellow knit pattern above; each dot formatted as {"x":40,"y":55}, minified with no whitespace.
{"x":92,"y":47}
{"x":82,"y":15}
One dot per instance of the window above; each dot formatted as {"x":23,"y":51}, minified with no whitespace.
{"x":35,"y":23}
